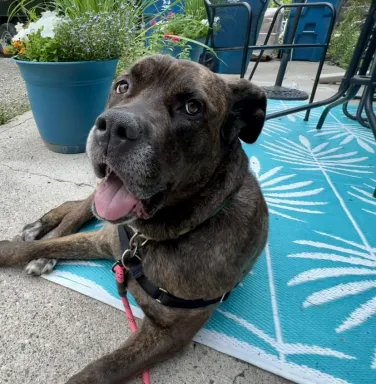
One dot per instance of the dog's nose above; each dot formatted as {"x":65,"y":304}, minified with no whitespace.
{"x":115,"y":127}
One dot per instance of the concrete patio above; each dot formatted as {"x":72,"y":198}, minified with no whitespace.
{"x":49,"y":332}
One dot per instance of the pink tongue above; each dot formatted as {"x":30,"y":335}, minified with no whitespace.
{"x":112,"y":201}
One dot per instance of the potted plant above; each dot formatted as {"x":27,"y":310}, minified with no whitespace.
{"x":68,"y":58}
{"x":182,"y":34}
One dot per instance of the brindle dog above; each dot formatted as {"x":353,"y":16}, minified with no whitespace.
{"x":172,"y":167}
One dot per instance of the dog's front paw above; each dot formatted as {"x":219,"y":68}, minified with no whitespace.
{"x":32,"y":231}
{"x":40,"y":266}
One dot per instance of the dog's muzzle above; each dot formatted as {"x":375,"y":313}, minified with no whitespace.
{"x":117,"y":129}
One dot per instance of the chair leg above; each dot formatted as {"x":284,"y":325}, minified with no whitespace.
{"x":346,"y":112}
{"x":321,"y":64}
{"x":361,"y":107}
{"x":369,"y":109}
{"x":246,"y":47}
{"x":315,"y":84}
{"x":352,"y":91}
{"x":265,"y":42}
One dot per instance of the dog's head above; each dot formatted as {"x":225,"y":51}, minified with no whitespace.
{"x":168,"y":125}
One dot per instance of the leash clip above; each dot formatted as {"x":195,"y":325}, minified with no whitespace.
{"x":134,"y":243}
{"x":129,"y":254}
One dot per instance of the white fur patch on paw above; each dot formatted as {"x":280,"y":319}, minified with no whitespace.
{"x":31,"y":231}
{"x":40,"y":266}
{"x":18,"y":239}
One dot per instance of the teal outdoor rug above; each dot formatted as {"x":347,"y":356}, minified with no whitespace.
{"x":307,"y":311}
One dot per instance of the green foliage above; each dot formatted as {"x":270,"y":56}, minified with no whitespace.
{"x":8,"y":112}
{"x":178,"y":33}
{"x":40,"y":49}
{"x":135,"y":51}
{"x":273,"y":4}
{"x":95,"y":36}
{"x":3,"y":116}
{"x":185,"y":25}
{"x":195,"y":8}
{"x":101,"y":35}
{"x":347,"y":32}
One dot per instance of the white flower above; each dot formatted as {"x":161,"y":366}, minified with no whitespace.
{"x":46,"y":24}
{"x":22,"y":35}
{"x":48,"y":31}
{"x":206,"y":21}
{"x":32,"y":28}
{"x":49,"y":15}
{"x":19,"y":26}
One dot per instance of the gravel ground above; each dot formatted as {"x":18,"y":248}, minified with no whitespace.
{"x":13,"y":95}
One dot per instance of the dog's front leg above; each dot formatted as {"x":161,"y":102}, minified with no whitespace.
{"x":64,"y":220}
{"x":86,"y":245}
{"x":150,"y":345}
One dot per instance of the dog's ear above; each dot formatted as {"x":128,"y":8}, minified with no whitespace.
{"x":247,"y":112}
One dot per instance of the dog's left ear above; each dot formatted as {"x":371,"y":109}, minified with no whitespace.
{"x":247,"y":111}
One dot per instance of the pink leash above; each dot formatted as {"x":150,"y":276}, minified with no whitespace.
{"x":120,"y":279}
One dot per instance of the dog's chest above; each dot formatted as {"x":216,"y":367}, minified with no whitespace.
{"x":195,"y":269}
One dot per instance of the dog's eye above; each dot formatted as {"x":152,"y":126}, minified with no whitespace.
{"x":122,"y":86}
{"x":193,"y":107}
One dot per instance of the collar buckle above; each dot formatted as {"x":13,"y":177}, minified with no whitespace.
{"x":162,"y":292}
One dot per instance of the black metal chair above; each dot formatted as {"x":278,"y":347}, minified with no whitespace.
{"x":277,"y":91}
{"x":208,"y":59}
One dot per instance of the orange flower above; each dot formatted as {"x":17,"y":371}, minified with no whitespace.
{"x":22,"y":51}
{"x":5,"y":51}
{"x":16,"y":44}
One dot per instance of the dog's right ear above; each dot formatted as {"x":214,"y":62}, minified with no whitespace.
{"x":247,"y":112}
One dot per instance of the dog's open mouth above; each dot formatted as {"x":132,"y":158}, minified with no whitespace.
{"x":113,"y":201}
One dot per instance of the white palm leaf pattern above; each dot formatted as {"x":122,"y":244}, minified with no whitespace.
{"x":283,"y":195}
{"x":365,"y":194}
{"x":356,"y":260}
{"x":315,"y":113}
{"x":272,"y":127}
{"x":285,"y":349}
{"x":319,"y":158}
{"x":347,"y":133}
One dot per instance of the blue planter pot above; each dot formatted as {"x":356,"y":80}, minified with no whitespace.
{"x":66,"y":98}
{"x":233,"y":22}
